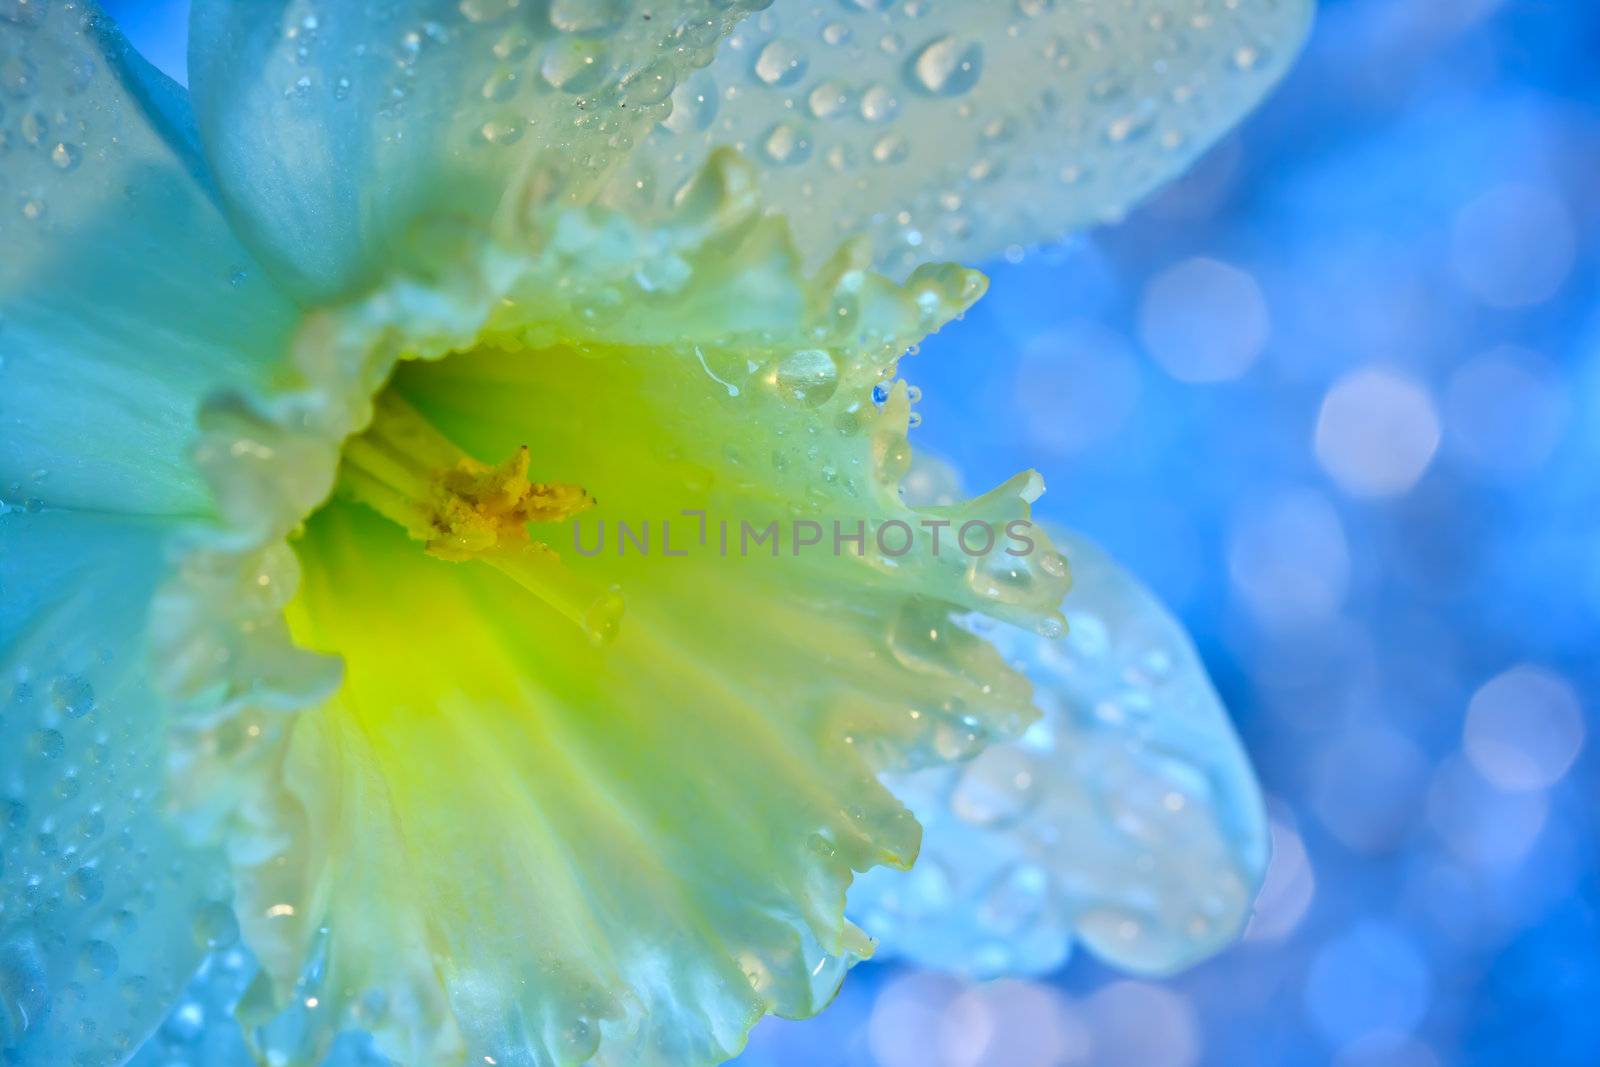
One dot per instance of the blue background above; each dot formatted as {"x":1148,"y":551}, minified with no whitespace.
{"x":1333,"y":397}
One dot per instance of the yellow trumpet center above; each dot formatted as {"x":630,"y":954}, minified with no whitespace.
{"x":464,"y":510}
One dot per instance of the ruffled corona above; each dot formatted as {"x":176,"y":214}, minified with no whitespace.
{"x":372,"y":437}
{"x":655,"y":772}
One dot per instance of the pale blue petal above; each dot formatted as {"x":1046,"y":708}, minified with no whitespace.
{"x":123,"y":297}
{"x":335,"y":126}
{"x":951,"y":130}
{"x":104,"y":914}
{"x":1128,"y":818}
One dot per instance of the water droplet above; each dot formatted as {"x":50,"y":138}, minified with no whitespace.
{"x":958,"y":740}
{"x":1128,"y":128}
{"x":514,"y":45}
{"x":923,"y":639}
{"x":879,"y":104}
{"x":1015,"y":900}
{"x":1248,"y":57}
{"x":603,"y":618}
{"x":66,"y":156}
{"x":34,"y":127}
{"x":997,"y":788}
{"x":185,"y":1024}
{"x":835,"y":33}
{"x":587,"y":16}
{"x":99,"y":959}
{"x":573,"y":65}
{"x":48,"y":744}
{"x":946,"y":66}
{"x":501,"y":85}
{"x":809,"y":376}
{"x":890,"y":148}
{"x":486,"y":10}
{"x":86,"y":886}
{"x":73,"y":696}
{"x":780,"y":63}
{"x":694,"y":105}
{"x":18,"y":76}
{"x":651,"y":85}
{"x":787,"y":144}
{"x":828,"y":99}
{"x":502,"y":132}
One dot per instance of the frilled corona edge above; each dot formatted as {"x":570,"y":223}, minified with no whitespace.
{"x":662,"y":820}
{"x":603,"y":810}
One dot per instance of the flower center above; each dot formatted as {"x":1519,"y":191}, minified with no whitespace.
{"x":464,"y":510}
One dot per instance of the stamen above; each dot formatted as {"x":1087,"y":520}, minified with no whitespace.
{"x":464,"y":510}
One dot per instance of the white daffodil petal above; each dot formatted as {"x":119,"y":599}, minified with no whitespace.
{"x":334,"y":124}
{"x":952,"y":130}
{"x":123,"y":298}
{"x":104,"y":914}
{"x":1127,"y":818}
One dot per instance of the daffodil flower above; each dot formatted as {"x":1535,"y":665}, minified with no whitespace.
{"x":312,"y":378}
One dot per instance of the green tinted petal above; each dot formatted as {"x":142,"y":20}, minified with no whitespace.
{"x":104,"y":913}
{"x":123,"y":297}
{"x":951,"y":130}
{"x":333,"y":123}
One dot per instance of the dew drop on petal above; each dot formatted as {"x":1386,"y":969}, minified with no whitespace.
{"x":808,"y":376}
{"x":501,"y":132}
{"x":485,"y":10}
{"x":828,"y":99}
{"x":603,"y":618}
{"x":946,"y":66}
{"x":878,"y":104}
{"x":65,"y":156}
{"x":573,"y":65}
{"x":890,"y":148}
{"x":587,"y":16}
{"x":85,"y":886}
{"x":780,"y":63}
{"x":787,"y":144}
{"x":73,"y":696}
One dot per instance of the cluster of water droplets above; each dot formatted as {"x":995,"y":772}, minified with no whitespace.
{"x":48,"y":116}
{"x":1127,"y":818}
{"x":951,"y":130}
{"x":103,"y":910}
{"x":489,"y":106}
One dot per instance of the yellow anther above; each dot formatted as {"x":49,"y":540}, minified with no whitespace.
{"x":476,"y":508}
{"x":462,"y":509}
